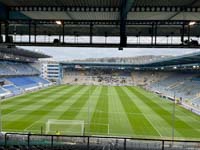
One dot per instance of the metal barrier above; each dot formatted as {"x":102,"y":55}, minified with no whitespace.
{"x":93,"y":142}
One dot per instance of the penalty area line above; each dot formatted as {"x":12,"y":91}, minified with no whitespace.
{"x":26,"y":129}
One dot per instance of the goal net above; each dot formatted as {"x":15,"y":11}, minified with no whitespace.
{"x":65,"y":127}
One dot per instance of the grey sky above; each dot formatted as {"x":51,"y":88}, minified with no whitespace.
{"x":70,"y":53}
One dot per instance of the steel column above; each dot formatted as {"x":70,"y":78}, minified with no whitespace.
{"x":35,"y":30}
{"x":29,"y":32}
{"x":182,"y":33}
{"x":91,"y":33}
{"x":63,"y":32}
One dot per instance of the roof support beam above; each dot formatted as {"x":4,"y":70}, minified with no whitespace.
{"x":193,"y":2}
{"x":174,"y":15}
{"x":4,"y":11}
{"x":7,"y":14}
{"x":18,"y":15}
{"x":111,"y":45}
{"x":103,"y":22}
{"x":177,"y":13}
{"x":0,"y":32}
{"x":190,"y":8}
{"x":125,"y":8}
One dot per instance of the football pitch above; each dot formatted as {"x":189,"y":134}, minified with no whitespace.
{"x":98,"y":110}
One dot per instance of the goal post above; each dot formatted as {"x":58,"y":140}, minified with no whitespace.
{"x":65,"y":127}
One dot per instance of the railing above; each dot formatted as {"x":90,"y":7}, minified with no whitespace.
{"x":93,"y":142}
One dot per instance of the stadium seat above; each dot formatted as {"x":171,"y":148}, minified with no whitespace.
{"x":13,"y":89}
{"x":10,"y":68}
{"x":2,"y":91}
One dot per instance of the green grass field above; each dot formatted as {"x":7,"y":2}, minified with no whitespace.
{"x":105,"y":110}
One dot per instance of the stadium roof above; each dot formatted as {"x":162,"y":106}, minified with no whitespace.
{"x":178,"y":60}
{"x":185,"y":60}
{"x":96,"y":65}
{"x":21,"y":52}
{"x":152,"y":18}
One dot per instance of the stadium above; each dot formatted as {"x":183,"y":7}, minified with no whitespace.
{"x":117,"y":103}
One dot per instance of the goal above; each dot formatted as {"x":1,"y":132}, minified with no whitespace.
{"x":65,"y":127}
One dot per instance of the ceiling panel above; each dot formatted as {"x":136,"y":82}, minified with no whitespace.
{"x":47,"y":15}
{"x":99,"y":3}
{"x":162,"y":2}
{"x":94,"y":15}
{"x":149,"y":15}
{"x":187,"y":16}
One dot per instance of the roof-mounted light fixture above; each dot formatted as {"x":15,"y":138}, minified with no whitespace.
{"x":58,"y":22}
{"x":192,"y":23}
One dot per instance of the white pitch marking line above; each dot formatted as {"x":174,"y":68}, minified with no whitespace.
{"x":152,"y":125}
{"x":10,"y":113}
{"x":26,"y":129}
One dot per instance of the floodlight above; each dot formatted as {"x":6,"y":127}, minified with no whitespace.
{"x":58,"y":22}
{"x":192,"y":23}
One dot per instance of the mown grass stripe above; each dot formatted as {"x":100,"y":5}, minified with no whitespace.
{"x":160,"y":125}
{"x":25,"y":96}
{"x":99,"y":121}
{"x":89,"y":108}
{"x":118,"y":121}
{"x":180,"y":125}
{"x":29,"y":101}
{"x":75,"y":108}
{"x":190,"y":115}
{"x":140,"y":125}
{"x":37,"y":114}
{"x":181,"y":112}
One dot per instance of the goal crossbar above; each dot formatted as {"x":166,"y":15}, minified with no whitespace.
{"x":65,"y":121}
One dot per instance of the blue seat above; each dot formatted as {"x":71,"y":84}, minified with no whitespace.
{"x":2,"y":91}
{"x":23,"y":82}
{"x":13,"y":89}
{"x":39,"y":80}
{"x":27,"y":81}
